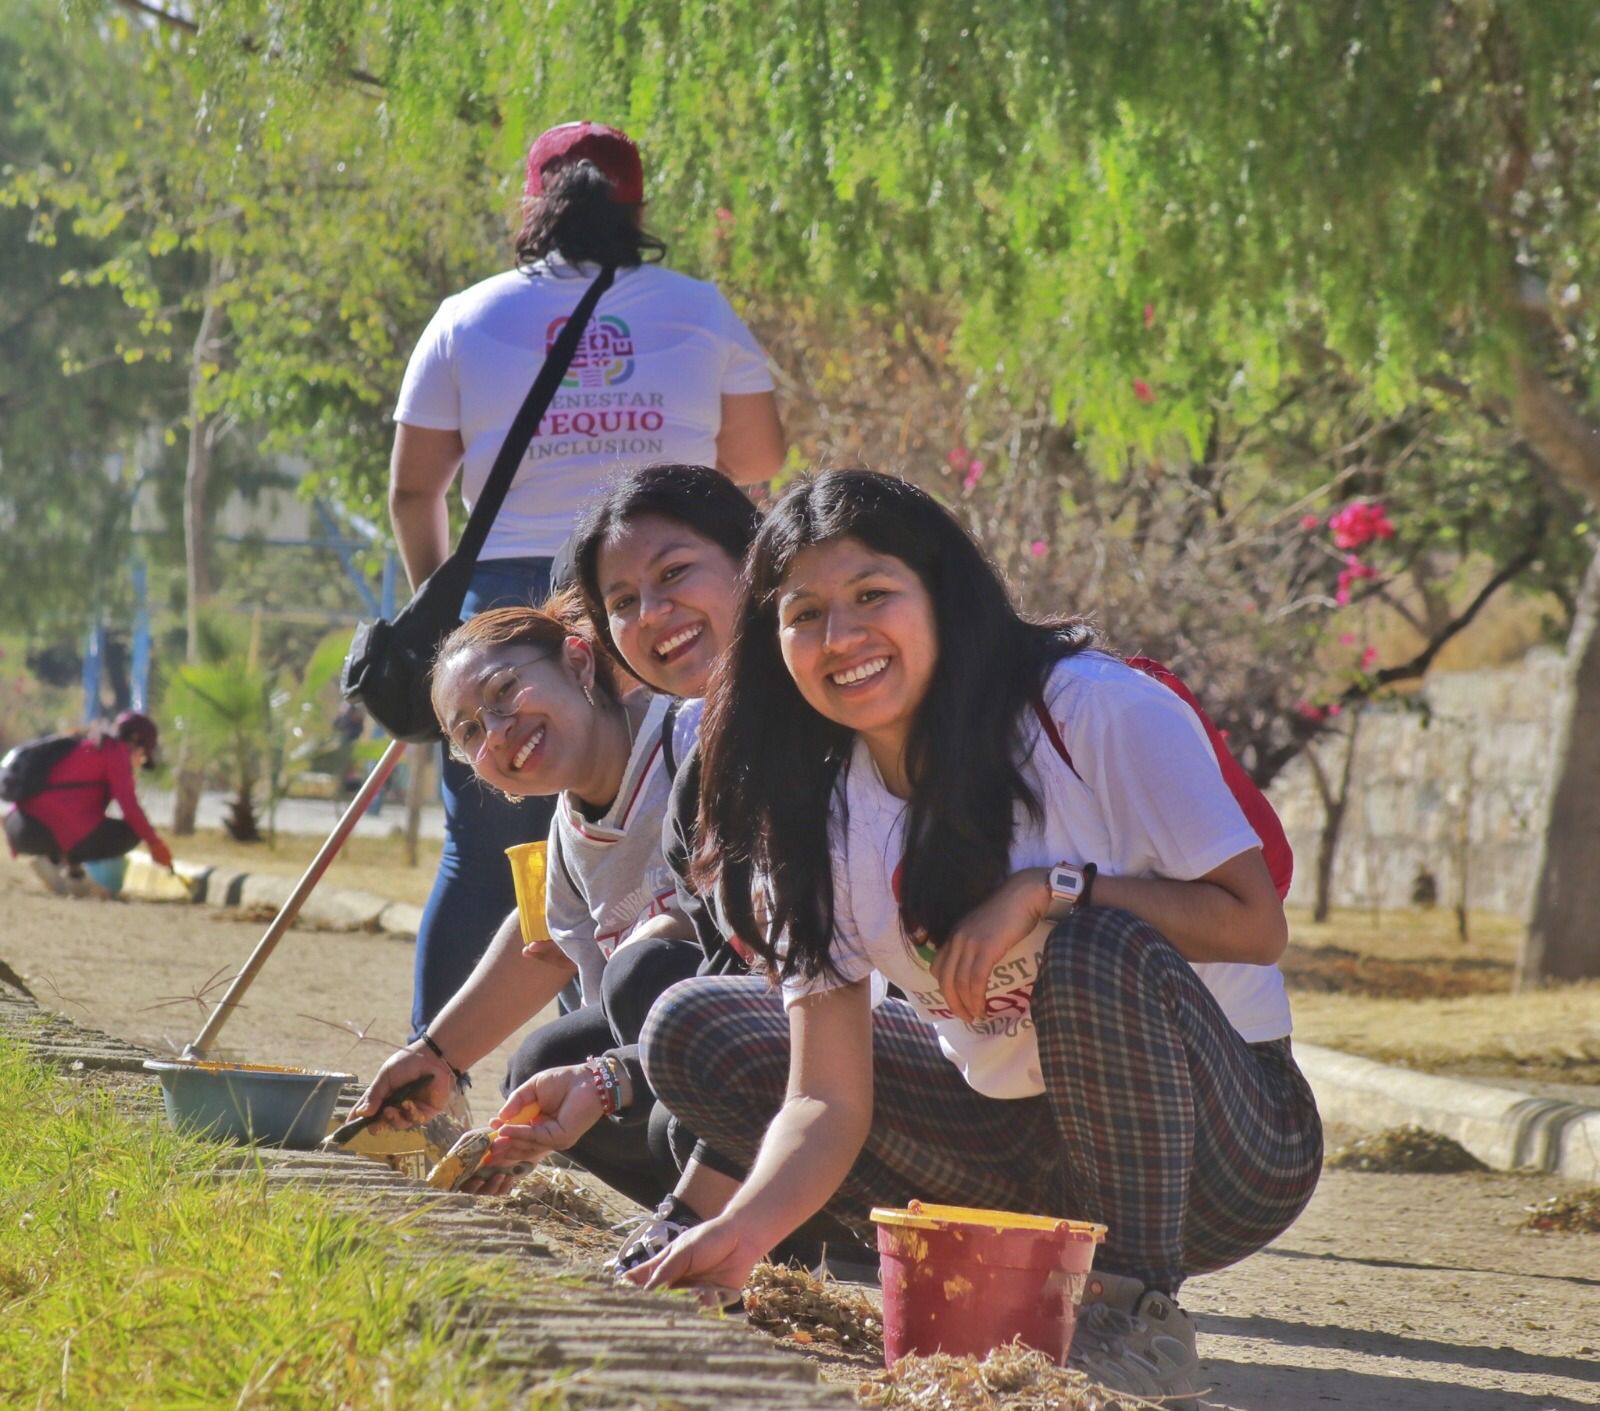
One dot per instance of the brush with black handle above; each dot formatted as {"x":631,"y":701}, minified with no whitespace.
{"x":391,"y":1103}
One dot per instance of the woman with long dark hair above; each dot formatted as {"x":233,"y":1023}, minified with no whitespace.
{"x":657,"y":564}
{"x":531,"y":704}
{"x":1034,"y":841}
{"x":666,"y":371}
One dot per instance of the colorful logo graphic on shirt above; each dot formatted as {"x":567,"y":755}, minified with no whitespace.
{"x":605,"y":353}
{"x":924,"y":947}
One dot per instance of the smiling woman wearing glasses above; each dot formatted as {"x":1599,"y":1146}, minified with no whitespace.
{"x":529,"y":702}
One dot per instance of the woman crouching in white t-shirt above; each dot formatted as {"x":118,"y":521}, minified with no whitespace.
{"x":881,"y":793}
{"x":530,"y":704}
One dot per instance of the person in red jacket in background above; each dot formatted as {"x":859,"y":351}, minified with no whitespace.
{"x":65,"y":825}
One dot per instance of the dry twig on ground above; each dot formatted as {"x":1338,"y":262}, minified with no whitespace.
{"x":1570,"y":1213}
{"x":792,"y":1304}
{"x":547,"y":1192}
{"x":1011,"y":1378}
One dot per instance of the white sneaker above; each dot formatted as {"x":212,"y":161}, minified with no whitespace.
{"x":650,"y":1234}
{"x":53,"y":876}
{"x":1136,"y":1340}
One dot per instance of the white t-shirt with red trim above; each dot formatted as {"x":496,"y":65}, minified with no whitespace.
{"x":606,"y":876}
{"x":1145,"y":798}
{"x":645,"y":387}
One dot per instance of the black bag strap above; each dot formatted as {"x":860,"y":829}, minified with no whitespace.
{"x":527,"y":420}
{"x":669,"y":726}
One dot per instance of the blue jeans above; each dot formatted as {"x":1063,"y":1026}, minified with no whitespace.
{"x":472,"y":893}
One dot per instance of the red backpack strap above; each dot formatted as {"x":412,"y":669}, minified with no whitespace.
{"x":1049,"y":727}
{"x":1256,"y":806}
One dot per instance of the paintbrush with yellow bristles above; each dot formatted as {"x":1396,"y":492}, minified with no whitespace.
{"x":473,"y":1149}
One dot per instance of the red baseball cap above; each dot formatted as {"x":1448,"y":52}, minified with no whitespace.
{"x":610,"y":149}
{"x":135,"y":728}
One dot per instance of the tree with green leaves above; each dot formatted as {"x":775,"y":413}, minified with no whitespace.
{"x":261,"y":280}
{"x":1151,"y":217}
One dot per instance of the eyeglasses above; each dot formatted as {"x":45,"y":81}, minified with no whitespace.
{"x":502,"y":696}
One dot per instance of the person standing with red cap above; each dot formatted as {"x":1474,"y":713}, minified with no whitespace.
{"x":64,"y":823}
{"x":665,"y":373}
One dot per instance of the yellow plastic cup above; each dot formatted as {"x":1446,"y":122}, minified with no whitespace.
{"x":528,"y":873}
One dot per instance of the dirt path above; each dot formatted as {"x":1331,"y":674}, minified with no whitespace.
{"x":1392,"y":1293}
{"x":135,"y":970}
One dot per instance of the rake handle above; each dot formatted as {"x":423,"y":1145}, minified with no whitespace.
{"x":291,"y":908}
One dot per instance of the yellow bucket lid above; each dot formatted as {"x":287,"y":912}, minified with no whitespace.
{"x":921,"y":1216}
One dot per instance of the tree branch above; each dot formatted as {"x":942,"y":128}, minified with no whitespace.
{"x":1562,"y":437}
{"x":188,"y":26}
{"x":1363,"y":690}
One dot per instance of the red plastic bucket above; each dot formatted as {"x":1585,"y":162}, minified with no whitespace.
{"x":966,"y":1281}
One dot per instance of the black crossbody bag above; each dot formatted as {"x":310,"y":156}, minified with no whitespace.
{"x":388,"y":667}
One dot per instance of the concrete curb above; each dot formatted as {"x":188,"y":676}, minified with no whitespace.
{"x":326,"y":909}
{"x":1502,"y":1127}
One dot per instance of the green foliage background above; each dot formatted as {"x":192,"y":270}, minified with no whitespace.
{"x":1180,"y":273}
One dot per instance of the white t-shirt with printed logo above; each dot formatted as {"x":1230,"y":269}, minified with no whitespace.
{"x":1151,"y":802}
{"x":605,"y":877}
{"x":645,"y":386}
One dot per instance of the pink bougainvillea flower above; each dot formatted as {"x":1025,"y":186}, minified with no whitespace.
{"x":1335,"y":708}
{"x":1352,"y":572}
{"x":1347,"y":639}
{"x":1358,"y":523}
{"x":1149,"y":315}
{"x":974,"y":474}
{"x":1310,"y":521}
{"x":1368,"y":657}
{"x":1038,"y":548}
{"x":1143,"y":391}
{"x":1307,"y":711}
{"x":959,"y":458}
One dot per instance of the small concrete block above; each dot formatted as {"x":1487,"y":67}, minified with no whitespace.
{"x":223,"y":886}
{"x":143,"y":880}
{"x":327,"y":908}
{"x":400,"y":918}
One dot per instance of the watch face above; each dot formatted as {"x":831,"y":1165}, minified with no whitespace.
{"x":1066,"y":886}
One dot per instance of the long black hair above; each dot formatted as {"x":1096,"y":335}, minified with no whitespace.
{"x":704,"y":501}
{"x":576,"y":216}
{"x":772,"y":763}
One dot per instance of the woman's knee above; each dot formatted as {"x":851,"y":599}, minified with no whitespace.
{"x":636,"y":977}
{"x":1103,"y":950}
{"x":710,"y":1035}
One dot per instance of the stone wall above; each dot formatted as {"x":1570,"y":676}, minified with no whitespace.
{"x":1456,"y":789}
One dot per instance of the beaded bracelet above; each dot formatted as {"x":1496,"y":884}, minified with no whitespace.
{"x":618,"y":1072}
{"x":605,"y":1084}
{"x":432,"y":1045}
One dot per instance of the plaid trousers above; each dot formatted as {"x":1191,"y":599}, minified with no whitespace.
{"x":1158,"y":1120}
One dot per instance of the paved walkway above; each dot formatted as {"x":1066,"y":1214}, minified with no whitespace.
{"x":312,"y":817}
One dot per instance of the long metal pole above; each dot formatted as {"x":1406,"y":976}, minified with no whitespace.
{"x":291,"y":908}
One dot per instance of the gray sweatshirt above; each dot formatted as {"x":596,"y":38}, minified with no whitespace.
{"x":606,"y":877}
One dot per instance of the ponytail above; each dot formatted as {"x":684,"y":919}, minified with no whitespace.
{"x":577,"y":216}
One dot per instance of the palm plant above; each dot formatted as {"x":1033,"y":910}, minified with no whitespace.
{"x":253,"y":725}
{"x":222,"y":710}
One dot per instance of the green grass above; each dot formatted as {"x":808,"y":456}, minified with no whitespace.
{"x":128,"y":1278}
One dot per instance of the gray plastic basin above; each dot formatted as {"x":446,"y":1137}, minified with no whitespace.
{"x":249,"y":1104}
